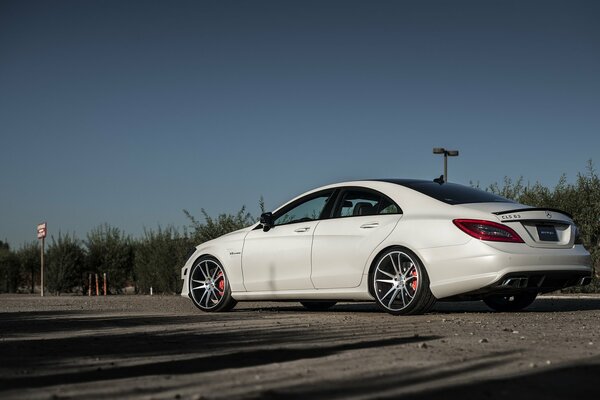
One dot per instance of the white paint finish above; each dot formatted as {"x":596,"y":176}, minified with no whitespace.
{"x":279,"y":264}
{"x":342,"y":246}
{"x":278,"y":259}
{"x":350,"y":294}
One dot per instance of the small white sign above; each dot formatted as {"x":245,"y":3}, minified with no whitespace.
{"x":41,"y":230}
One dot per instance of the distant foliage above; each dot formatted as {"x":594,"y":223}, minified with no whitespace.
{"x":65,"y":264}
{"x":10,"y":269}
{"x":155,"y":260}
{"x":581,"y":199}
{"x":110,"y":251}
{"x":224,"y":223}
{"x":159,"y":256}
{"x":29,"y":260}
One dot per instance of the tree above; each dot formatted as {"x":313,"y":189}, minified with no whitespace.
{"x":224,"y":223}
{"x":9,"y":268}
{"x":110,"y":251}
{"x":29,"y":259}
{"x":65,"y":263}
{"x":159,"y":256}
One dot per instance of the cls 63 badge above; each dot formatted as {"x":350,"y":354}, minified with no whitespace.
{"x":510,"y":216}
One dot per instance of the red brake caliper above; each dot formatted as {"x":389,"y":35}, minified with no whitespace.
{"x":413,"y":284}
{"x":221,"y":283}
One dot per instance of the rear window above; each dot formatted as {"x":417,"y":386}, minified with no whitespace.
{"x":452,"y":193}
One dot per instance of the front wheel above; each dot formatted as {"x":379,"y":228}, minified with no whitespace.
{"x":515,"y":302}
{"x":400,"y":283}
{"x":209,"y":286}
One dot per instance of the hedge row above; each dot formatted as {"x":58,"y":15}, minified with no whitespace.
{"x":154,"y":260}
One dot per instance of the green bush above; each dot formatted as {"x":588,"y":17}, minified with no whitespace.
{"x":214,"y":227}
{"x":159,"y":256}
{"x":29,"y":260}
{"x":65,"y":264}
{"x":10,"y":269}
{"x":110,"y":251}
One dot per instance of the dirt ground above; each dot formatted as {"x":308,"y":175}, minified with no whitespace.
{"x":162,"y":347}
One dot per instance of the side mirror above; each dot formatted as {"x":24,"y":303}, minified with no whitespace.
{"x":266,"y":220}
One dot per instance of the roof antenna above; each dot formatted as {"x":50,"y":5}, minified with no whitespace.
{"x":439,"y":180}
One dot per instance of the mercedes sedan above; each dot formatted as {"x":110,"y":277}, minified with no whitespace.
{"x":402,"y":243}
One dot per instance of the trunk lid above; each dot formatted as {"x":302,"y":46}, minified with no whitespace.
{"x":538,"y":227}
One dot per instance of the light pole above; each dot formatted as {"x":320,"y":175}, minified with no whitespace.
{"x":446,"y":153}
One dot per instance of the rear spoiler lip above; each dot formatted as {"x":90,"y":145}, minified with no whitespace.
{"x":533,"y":209}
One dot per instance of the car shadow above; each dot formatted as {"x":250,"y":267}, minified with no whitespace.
{"x":541,"y":304}
{"x":553,"y":384}
{"x":210,"y":362}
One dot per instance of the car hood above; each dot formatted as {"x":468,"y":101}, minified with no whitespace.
{"x":239,"y":234}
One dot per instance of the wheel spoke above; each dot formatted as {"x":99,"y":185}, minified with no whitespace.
{"x":202,"y":270}
{"x":388,"y":292}
{"x":393,"y":297}
{"x":408,"y":293}
{"x":390,"y":281}
{"x":203,"y":286}
{"x":394,"y":264}
{"x":386,"y":273}
{"x":203,"y":295}
{"x":402,"y":288}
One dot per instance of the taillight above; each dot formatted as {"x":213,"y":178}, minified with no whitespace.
{"x":487,"y":230}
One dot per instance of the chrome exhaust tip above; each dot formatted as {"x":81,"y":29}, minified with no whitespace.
{"x":585,"y":281}
{"x":516,"y":283}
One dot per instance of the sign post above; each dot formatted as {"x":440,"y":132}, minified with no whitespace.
{"x":41,"y":234}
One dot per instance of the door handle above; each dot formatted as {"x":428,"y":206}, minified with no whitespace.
{"x":300,"y":230}
{"x":370,"y":225}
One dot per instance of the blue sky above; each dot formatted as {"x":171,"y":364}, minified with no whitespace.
{"x":127,"y":112}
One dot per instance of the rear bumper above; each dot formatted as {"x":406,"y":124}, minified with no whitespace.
{"x":529,"y":281}
{"x":478,"y":267}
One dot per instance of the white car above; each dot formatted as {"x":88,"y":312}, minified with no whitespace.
{"x":403,"y":243}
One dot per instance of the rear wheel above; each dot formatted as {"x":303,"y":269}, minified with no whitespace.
{"x":513,"y":302}
{"x":209,"y":286}
{"x":400,"y":283}
{"x":318,"y":305}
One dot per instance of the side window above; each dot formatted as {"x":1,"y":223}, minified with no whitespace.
{"x":388,"y":207}
{"x":308,"y":210}
{"x":363,"y":202}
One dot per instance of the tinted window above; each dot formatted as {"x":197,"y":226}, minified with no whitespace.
{"x":453,"y":193}
{"x":362,"y":202}
{"x":307,"y":210}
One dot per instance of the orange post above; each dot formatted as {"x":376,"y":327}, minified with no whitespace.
{"x":104,"y":283}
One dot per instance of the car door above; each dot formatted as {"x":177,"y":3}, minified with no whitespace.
{"x":280,"y":258}
{"x":362,"y":219}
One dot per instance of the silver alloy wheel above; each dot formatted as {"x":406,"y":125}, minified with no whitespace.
{"x":396,"y":280}
{"x":207,"y":284}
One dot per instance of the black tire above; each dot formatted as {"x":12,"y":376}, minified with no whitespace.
{"x":318,"y":305}
{"x":407,"y":292}
{"x":209,"y":287}
{"x":515,"y":302}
